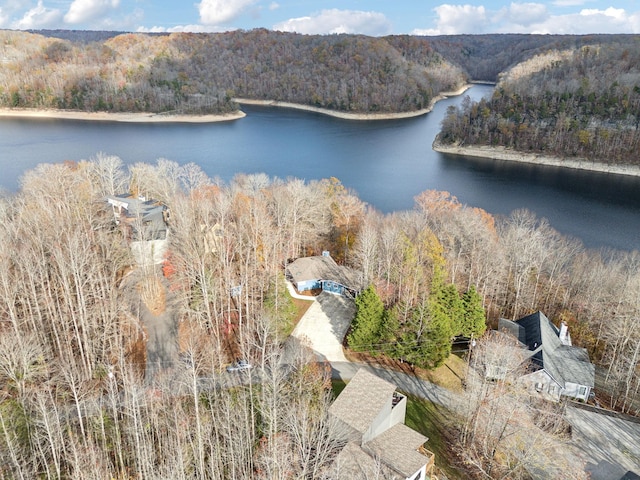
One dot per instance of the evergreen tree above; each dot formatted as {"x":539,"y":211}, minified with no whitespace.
{"x":439,"y":331}
{"x":474,"y":323}
{"x":367,"y":324}
{"x":390,"y":333}
{"x":426,"y":336}
{"x":454,"y":307}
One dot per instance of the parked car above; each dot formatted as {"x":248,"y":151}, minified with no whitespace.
{"x":238,"y":366}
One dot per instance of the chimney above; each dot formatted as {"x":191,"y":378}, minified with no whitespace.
{"x":565,"y":338}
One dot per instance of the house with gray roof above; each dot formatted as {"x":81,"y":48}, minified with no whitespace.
{"x":379,"y":444}
{"x":144,"y":224}
{"x":558,"y":367}
{"x":321,"y":272}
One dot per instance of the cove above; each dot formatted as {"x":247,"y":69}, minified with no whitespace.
{"x":386,"y":162}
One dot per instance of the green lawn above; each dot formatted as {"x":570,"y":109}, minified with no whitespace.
{"x":438,"y":424}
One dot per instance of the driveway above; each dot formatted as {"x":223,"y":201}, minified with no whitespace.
{"x":609,"y":442}
{"x":325,"y":324}
{"x":323,"y":328}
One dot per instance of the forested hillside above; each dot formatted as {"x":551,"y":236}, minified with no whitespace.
{"x":78,"y":398}
{"x":485,"y":57}
{"x":581,"y":103}
{"x":201,"y":73}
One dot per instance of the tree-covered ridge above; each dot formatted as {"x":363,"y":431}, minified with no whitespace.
{"x":485,"y":57}
{"x":201,"y":73}
{"x":581,"y":103}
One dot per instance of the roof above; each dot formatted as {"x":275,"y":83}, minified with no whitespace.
{"x":362,"y":400}
{"x":398,"y":447}
{"x":630,"y":476}
{"x":565,"y":363}
{"x":353,"y":463}
{"x":512,"y":328}
{"x":323,"y":268}
{"x":149,"y":212}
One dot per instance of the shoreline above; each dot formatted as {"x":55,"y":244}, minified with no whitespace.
{"x":502,"y":153}
{"x":148,"y":117}
{"x":354,"y":116}
{"x":137,"y":117}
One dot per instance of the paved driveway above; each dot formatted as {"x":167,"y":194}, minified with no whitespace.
{"x":325,"y":324}
{"x":610,"y":443}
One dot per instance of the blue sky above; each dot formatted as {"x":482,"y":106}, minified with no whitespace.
{"x":369,"y":17}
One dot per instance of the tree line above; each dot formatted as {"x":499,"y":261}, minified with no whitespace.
{"x":578,"y":103}
{"x":77,"y":400}
{"x":202,"y":73}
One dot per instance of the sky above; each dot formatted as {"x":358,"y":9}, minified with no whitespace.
{"x":368,"y":17}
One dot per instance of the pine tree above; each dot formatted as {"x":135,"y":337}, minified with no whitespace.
{"x":454,"y":307}
{"x":439,"y":331}
{"x":367,"y":324}
{"x":390,"y":333}
{"x":474,"y":324}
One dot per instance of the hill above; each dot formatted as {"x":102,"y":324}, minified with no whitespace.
{"x":573,"y":103}
{"x":201,"y":73}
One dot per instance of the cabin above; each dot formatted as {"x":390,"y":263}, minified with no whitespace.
{"x":558,"y":369}
{"x":371,"y":414}
{"x":144,"y":224}
{"x":323,"y":273}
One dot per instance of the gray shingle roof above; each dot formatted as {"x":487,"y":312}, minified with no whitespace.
{"x":362,"y":400}
{"x":353,"y":463}
{"x":398,"y":448}
{"x":146,"y":217}
{"x":323,"y":268}
{"x":564,"y":363}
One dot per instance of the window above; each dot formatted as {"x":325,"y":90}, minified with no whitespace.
{"x":418,"y":476}
{"x":582,"y":391}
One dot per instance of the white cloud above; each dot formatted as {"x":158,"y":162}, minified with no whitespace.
{"x":179,"y":28}
{"x":82,"y":11}
{"x":569,"y":3}
{"x":3,"y":18}
{"x":526,"y":14}
{"x":611,"y":20}
{"x":338,"y":21}
{"x":530,"y":18}
{"x":38,"y":17}
{"x":453,"y":19}
{"x":274,"y":6}
{"x":216,"y":12}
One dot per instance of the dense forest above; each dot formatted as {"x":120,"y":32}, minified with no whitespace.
{"x":581,"y":103}
{"x":201,"y":73}
{"x":485,"y":57}
{"x":80,"y":399}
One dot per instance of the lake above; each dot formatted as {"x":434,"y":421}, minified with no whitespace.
{"x":386,"y":163}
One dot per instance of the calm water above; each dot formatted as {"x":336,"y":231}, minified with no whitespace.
{"x":387,"y":163}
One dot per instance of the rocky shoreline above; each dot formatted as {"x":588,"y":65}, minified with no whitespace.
{"x":502,"y":153}
{"x":138,"y":117}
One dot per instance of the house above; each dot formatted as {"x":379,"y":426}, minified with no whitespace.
{"x":144,"y":223}
{"x":559,"y":368}
{"x":145,"y":219}
{"x":322,"y":272}
{"x":379,"y":444}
